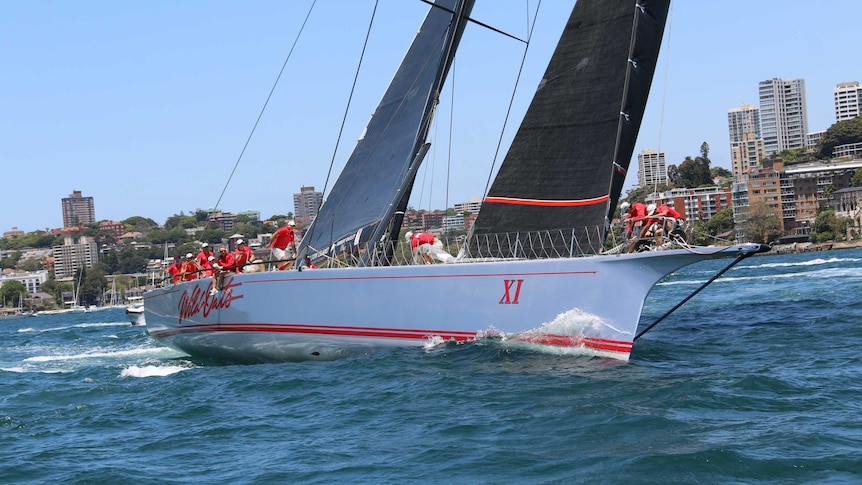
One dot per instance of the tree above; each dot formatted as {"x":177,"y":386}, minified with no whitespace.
{"x":856,"y":181}
{"x":764,"y":225}
{"x":139,"y":224}
{"x":720,"y":172}
{"x":11,"y":261}
{"x":704,"y":232}
{"x":29,"y":264}
{"x":181,"y":220}
{"x":828,"y":227}
{"x":12,"y":292}
{"x":131,"y":261}
{"x":93,"y":284}
{"x":841,"y":133}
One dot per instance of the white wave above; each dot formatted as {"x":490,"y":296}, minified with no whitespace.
{"x":433,"y":342}
{"x":140,"y":352}
{"x":579,"y":322}
{"x":813,"y":262}
{"x":28,"y":329}
{"x":24,"y":370}
{"x":152,"y":371}
{"x":79,"y":325}
{"x":842,"y":272}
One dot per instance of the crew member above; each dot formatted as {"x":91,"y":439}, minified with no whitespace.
{"x":242,"y":255}
{"x":203,"y":260}
{"x":662,"y":221}
{"x":428,"y":246}
{"x":176,"y":270}
{"x":283,"y":245}
{"x":224,"y":265}
{"x":632,"y":215}
{"x":190,"y":268}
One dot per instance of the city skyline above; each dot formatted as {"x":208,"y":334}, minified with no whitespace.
{"x":152,"y":125}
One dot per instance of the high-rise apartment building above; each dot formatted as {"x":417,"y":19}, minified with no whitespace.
{"x":741,"y":121}
{"x":783,"y":114}
{"x":472,"y":206}
{"x":848,"y":101}
{"x":746,"y":154}
{"x":78,"y":209}
{"x":746,"y":142}
{"x":306,"y":203}
{"x":652,"y":168}
{"x":70,"y":257}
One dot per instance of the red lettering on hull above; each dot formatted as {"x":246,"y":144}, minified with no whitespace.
{"x":508,"y":298}
{"x":198,"y":301}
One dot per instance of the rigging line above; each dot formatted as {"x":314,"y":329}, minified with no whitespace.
{"x":451,"y":123}
{"x":268,"y":98}
{"x":664,"y":90}
{"x":481,"y":24}
{"x":739,"y":258}
{"x":512,"y":98}
{"x":344,"y":118}
{"x":350,"y":98}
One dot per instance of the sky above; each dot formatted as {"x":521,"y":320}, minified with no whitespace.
{"x":156,"y":108}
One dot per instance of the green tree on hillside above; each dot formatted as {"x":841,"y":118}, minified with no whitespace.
{"x":704,"y":232}
{"x":692,"y":172}
{"x":11,"y":292}
{"x":139,"y":224}
{"x":764,"y":225}
{"x":841,"y":133}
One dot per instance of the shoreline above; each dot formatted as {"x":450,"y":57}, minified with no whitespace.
{"x":809,"y":247}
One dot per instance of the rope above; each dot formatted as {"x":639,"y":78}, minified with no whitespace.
{"x":739,"y":258}
{"x":511,"y":100}
{"x":268,"y":98}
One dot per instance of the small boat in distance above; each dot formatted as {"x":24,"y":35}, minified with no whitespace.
{"x":135,"y":310}
{"x":537,"y":269}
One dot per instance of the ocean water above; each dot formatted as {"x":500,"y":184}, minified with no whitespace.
{"x":756,"y":380}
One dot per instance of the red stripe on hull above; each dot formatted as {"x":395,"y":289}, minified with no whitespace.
{"x":387,"y":333}
{"x":547,"y":203}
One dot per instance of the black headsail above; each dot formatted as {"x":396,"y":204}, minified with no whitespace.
{"x":567,"y":163}
{"x":377,"y":178}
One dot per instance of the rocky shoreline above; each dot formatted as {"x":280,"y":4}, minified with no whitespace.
{"x":813,"y":247}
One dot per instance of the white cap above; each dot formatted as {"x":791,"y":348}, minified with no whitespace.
{"x":624,"y":206}
{"x":189,"y":255}
{"x":211,"y":258}
{"x":408,"y":235}
{"x":650,"y":209}
{"x":240,"y":241}
{"x":291,"y":223}
{"x":205,"y":245}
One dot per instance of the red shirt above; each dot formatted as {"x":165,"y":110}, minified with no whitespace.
{"x":190,"y":269}
{"x":203,"y":260}
{"x":282,"y":238}
{"x":637,"y":210}
{"x":422,"y":238}
{"x":663,"y":211}
{"x":227,"y":262}
{"x":175,"y":271}
{"x":242,"y":255}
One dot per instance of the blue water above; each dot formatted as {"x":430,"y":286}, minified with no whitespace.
{"x":756,"y":380}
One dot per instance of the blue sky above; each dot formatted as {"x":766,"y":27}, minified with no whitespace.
{"x":146,"y":106}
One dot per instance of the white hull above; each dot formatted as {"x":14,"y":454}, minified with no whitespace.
{"x":135,"y":314}
{"x":588,"y":305}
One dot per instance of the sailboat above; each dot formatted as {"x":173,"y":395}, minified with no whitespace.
{"x":534,"y":270}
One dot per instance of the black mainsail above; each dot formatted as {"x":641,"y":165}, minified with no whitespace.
{"x":567,"y":163}
{"x":374,"y":186}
